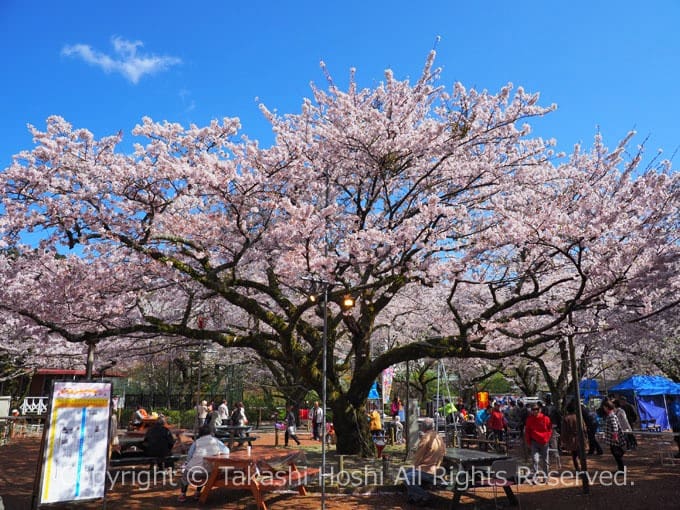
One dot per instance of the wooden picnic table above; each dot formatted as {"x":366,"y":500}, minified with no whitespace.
{"x":472,"y":461}
{"x":259,"y":470}
{"x":239,"y":434}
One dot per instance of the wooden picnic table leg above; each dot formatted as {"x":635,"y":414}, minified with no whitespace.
{"x":259,"y":497}
{"x":456,"y":499}
{"x":511,"y":495}
{"x":302,"y":490}
{"x":212,"y":479}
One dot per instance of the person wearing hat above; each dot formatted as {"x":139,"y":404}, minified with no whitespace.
{"x":537,"y":434}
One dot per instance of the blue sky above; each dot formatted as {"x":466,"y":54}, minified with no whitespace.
{"x":609,"y":64}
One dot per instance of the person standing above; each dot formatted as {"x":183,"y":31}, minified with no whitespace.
{"x":497,"y":422}
{"x":570,"y":437}
{"x":613,"y":434}
{"x":317,"y":422}
{"x":291,"y":426}
{"x":590,"y":419}
{"x":481,"y":419}
{"x":223,"y":412}
{"x":114,"y":444}
{"x":537,"y":434}
{"x":213,"y":420}
{"x":238,"y":415}
{"x":632,"y":417}
{"x":375,"y":422}
{"x":626,"y":425}
{"x":201,"y":413}
{"x":394,"y":407}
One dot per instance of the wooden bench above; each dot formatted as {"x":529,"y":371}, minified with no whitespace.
{"x":240,"y":441}
{"x":143,"y":460}
{"x":299,"y":476}
{"x":466,"y":442}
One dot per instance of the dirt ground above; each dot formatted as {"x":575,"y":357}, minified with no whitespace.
{"x":650,"y":484}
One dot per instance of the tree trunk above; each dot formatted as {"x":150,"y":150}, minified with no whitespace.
{"x":351,"y":428}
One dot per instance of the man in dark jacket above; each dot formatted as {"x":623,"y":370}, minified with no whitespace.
{"x":590,"y":419}
{"x":631,"y":413}
{"x":158,"y":441}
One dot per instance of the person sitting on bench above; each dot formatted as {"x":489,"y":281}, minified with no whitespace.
{"x":139,"y":416}
{"x":426,"y":461}
{"x":196,"y":471}
{"x":158,"y":441}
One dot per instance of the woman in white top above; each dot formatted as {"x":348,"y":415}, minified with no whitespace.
{"x":196,"y":470}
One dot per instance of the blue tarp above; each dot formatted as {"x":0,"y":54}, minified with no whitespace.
{"x":648,"y":385}
{"x":651,"y":393}
{"x":653,"y":407}
{"x":373,"y":392}
{"x":588,"y":388}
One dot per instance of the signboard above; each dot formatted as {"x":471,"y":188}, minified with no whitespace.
{"x":387,"y":378}
{"x":75,"y":449}
{"x":482,"y":399}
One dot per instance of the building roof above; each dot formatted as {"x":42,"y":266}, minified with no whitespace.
{"x":76,"y":372}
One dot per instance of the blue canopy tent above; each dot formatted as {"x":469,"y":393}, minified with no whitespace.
{"x":588,"y":388}
{"x":374,"y":397}
{"x":650,"y":393}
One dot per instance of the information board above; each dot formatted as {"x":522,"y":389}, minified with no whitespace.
{"x":75,"y":449}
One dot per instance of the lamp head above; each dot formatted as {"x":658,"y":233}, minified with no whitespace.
{"x":347,"y":302}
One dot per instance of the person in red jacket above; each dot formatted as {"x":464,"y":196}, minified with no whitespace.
{"x":497,"y":422}
{"x":537,"y":434}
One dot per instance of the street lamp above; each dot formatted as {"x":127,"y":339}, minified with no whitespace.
{"x":346,"y":304}
{"x":200,"y":321}
{"x":324,"y":285}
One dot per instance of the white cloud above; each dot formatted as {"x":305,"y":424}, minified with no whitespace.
{"x":126,"y":60}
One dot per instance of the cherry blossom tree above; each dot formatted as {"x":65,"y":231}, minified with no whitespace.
{"x":395,"y":193}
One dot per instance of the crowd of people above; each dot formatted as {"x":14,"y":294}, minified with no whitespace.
{"x":540,"y":426}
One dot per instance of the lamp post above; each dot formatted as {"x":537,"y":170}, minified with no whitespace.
{"x":346,"y":304}
{"x":324,"y":370}
{"x":201,"y":325}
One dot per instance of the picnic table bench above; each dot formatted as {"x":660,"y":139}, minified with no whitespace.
{"x":235,"y":434}
{"x":139,"y":459}
{"x":495,"y":444}
{"x":253,"y":471}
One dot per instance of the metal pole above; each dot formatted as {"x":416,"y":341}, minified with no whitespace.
{"x":407,"y":413}
{"x":579,"y":417}
{"x":324,"y":395}
{"x":198,"y":392}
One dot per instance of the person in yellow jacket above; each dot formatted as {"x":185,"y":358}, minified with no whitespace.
{"x":375,"y":422}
